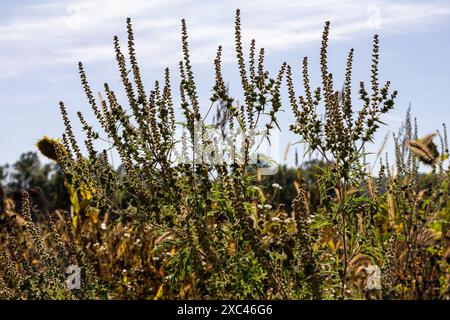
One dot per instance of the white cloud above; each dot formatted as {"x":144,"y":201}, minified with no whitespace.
{"x":55,"y":33}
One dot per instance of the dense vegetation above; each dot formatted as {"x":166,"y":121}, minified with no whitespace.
{"x":184,"y":217}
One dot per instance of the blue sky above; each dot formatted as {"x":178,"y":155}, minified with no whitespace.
{"x":41,"y":43}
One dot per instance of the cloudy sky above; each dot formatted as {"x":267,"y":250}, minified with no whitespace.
{"x":42,"y":41}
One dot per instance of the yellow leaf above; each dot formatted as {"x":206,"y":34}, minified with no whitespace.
{"x":399,"y":228}
{"x":122,"y":249}
{"x":75,"y":221}
{"x":92,"y":213}
{"x":73,"y":198}
{"x":315,"y":247}
{"x":331,"y":244}
{"x":85,"y":194}
{"x":159,"y":293}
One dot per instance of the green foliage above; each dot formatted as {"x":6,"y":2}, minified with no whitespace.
{"x":173,"y":223}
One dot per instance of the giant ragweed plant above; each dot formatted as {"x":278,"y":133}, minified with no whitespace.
{"x":205,"y":208}
{"x":339,"y":136}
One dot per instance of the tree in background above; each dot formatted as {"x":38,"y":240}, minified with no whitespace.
{"x":28,"y":173}
{"x":285,"y":180}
